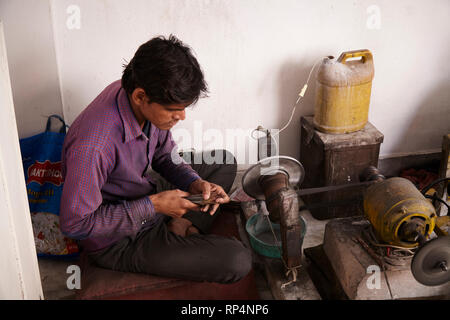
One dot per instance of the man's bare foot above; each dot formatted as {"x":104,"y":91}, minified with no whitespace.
{"x":179,"y":226}
{"x":191,"y":230}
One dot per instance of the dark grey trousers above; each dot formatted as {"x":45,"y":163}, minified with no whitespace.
{"x":198,"y":257}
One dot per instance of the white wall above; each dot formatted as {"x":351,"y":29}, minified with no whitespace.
{"x":256,"y":55}
{"x":32,"y":63}
{"x":19,"y":276}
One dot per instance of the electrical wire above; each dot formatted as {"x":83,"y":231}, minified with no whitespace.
{"x":433,"y":197}
{"x":428,"y":187}
{"x":300,"y":95}
{"x":398,"y":254}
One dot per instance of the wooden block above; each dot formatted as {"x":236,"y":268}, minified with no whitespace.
{"x":323,"y":275}
{"x":336,"y":159}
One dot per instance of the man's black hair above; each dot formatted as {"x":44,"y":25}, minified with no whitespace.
{"x":167,"y":71}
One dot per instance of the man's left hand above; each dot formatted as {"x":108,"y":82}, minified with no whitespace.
{"x":207,"y":189}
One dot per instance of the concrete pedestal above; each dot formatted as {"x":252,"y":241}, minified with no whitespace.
{"x":358,"y":273}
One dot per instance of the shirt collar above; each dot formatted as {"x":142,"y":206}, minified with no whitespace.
{"x":131,"y":127}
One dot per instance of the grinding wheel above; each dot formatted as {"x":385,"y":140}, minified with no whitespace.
{"x":269,"y":166}
{"x":431,"y":263}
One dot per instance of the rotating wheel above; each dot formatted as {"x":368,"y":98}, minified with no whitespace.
{"x":431,"y":263}
{"x":268,"y":166}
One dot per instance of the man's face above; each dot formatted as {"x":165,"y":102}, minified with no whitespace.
{"x":163,"y":117}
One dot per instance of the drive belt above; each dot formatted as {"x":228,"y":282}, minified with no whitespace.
{"x":198,"y":198}
{"x":311,"y":191}
{"x":308,"y":191}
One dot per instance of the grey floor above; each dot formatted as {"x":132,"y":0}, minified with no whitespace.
{"x":54,"y":273}
{"x":54,"y":277}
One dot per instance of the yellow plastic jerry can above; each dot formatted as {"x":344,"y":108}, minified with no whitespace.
{"x":343,"y":90}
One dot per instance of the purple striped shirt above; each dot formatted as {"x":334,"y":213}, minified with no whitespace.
{"x":105,"y":162}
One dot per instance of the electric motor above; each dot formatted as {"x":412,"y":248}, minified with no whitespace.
{"x":398,"y":212}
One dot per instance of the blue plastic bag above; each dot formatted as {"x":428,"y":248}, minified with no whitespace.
{"x":41,"y":156}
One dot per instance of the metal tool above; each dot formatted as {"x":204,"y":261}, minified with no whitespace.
{"x":198,"y":199}
{"x":272,"y":180}
{"x":275,"y":180}
{"x":293,"y":169}
{"x":399,"y":214}
{"x":431,"y":263}
{"x":402,"y":217}
{"x":290,"y":167}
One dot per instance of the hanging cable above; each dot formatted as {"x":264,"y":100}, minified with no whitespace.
{"x":432,"y":184}
{"x":300,"y":95}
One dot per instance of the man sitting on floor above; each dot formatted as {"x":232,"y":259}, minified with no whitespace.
{"x":110,"y":202}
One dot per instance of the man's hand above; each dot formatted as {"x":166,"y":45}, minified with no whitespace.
{"x":172,"y":203}
{"x":208,"y":189}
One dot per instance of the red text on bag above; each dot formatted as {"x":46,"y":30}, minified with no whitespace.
{"x":42,"y":172}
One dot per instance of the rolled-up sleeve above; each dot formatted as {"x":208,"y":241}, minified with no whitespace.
{"x":170,"y":165}
{"x":82,"y":213}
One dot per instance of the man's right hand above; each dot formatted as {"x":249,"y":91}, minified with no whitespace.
{"x":172,"y":203}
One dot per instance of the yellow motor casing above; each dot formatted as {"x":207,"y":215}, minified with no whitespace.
{"x":343,"y":91}
{"x":393,"y":202}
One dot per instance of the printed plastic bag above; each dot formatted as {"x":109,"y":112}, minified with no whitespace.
{"x":41,"y":156}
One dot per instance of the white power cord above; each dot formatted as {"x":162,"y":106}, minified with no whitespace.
{"x":300,"y":95}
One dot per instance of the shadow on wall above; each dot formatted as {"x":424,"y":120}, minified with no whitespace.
{"x":430,"y":122}
{"x":291,"y":78}
{"x":77,"y":96}
{"x":40,"y":100}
